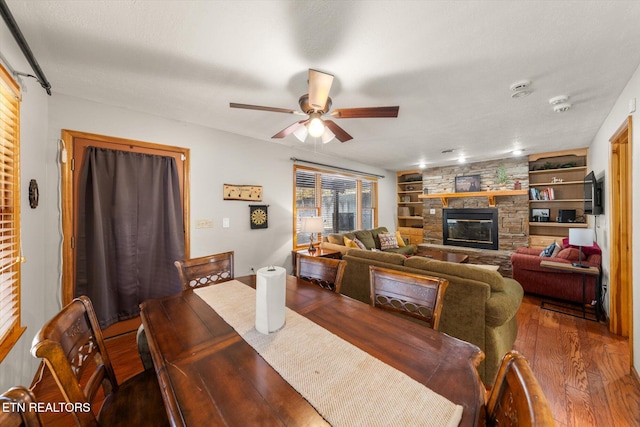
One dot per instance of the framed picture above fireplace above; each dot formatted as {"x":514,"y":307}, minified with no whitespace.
{"x":467,"y":183}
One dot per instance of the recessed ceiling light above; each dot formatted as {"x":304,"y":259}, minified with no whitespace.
{"x":422,"y":165}
{"x":520,"y":88}
{"x":462,"y":160}
{"x":517,"y":152}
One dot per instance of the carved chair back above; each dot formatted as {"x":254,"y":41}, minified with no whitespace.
{"x":324,"y":272}
{"x":412,"y":295}
{"x":516,"y":397}
{"x":19,"y":413}
{"x":73,"y":349}
{"x":196,"y":272}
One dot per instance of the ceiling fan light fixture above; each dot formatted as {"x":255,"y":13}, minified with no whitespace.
{"x":316,"y":127}
{"x":301,"y":133}
{"x":327,"y":136}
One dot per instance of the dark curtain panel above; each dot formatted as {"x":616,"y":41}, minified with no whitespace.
{"x":130,"y":231}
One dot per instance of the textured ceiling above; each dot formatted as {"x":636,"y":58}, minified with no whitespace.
{"x":448,"y":65}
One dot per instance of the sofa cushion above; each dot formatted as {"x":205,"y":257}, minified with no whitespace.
{"x":338,"y":239}
{"x":387,"y":257}
{"x":571,"y":254}
{"x":587,"y":250}
{"x":388,"y":241}
{"x":400,"y":240}
{"x":366,"y":238}
{"x":492,"y":278}
{"x":418,"y":262}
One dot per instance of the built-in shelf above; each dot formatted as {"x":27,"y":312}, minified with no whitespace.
{"x":559,"y":224}
{"x":556,"y":201}
{"x":408,"y":189}
{"x":491,"y":195}
{"x":551,"y":184}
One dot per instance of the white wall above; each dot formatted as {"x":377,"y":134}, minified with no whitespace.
{"x":599,"y":160}
{"x":216,"y":158}
{"x":19,"y":366}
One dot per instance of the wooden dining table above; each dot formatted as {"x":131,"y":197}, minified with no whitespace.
{"x":210,"y":376}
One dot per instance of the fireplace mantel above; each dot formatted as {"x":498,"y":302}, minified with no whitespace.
{"x":491,"y":195}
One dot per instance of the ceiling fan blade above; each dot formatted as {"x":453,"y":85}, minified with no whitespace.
{"x":367,"y":112}
{"x":319,"y":87}
{"x":289,"y":129}
{"x":261,"y":108}
{"x":340,"y":133}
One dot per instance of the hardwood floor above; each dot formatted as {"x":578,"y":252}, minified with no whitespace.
{"x":582,"y":368}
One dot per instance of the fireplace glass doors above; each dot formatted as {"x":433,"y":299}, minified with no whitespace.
{"x":474,"y":228}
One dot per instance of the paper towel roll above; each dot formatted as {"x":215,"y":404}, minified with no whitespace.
{"x":271,"y":285}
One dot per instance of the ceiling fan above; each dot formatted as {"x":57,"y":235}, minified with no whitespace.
{"x":316,"y":104}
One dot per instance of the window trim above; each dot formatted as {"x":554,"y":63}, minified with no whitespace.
{"x":318,"y":195}
{"x":10,"y":92}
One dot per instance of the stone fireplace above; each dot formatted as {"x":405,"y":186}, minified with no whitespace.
{"x":513,"y":211}
{"x":472,"y":228}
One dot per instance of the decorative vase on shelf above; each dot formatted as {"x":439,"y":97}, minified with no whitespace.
{"x":517,"y":185}
{"x":501,"y":177}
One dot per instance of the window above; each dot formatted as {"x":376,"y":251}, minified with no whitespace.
{"x":345,"y":202}
{"x":10,"y":326}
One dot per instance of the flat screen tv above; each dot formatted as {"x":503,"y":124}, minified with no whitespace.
{"x":593,"y":197}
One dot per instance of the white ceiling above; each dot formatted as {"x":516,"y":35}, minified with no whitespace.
{"x":448,"y":65}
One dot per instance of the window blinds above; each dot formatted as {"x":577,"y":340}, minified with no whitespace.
{"x":345,"y":203}
{"x":10,"y":328}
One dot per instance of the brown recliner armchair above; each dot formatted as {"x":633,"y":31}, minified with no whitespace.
{"x":553,"y":283}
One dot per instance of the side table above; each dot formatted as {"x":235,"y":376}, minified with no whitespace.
{"x":319,"y":252}
{"x":590,"y":271}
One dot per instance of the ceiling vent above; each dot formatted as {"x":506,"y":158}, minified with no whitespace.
{"x":560,"y":103}
{"x":520,"y":88}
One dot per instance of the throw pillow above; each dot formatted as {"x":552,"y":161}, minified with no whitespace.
{"x":548,"y":251}
{"x":388,"y":241}
{"x":350,"y":243}
{"x":400,"y":239}
{"x":359,"y":243}
{"x":571,"y":254}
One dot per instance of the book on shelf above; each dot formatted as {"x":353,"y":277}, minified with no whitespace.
{"x":541,"y":194}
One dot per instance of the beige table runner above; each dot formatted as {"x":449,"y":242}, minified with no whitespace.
{"x":346,"y":385}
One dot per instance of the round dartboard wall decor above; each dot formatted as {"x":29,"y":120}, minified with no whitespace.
{"x":258,"y":216}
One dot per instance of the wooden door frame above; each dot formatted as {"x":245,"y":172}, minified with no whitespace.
{"x":68,"y":203}
{"x":621,"y":224}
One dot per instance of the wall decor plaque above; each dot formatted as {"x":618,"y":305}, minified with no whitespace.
{"x":252,"y":193}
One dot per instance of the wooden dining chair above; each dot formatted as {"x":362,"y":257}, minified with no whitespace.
{"x":413,"y":295}
{"x":196,"y":272}
{"x":73,"y":349}
{"x":16,"y":410}
{"x":516,"y":397}
{"x":324,"y":272}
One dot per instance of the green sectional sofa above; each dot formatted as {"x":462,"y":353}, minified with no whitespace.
{"x":368,"y":237}
{"x":479,"y":305}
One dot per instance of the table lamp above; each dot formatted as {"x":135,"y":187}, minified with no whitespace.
{"x":580,"y":237}
{"x":312,"y":225}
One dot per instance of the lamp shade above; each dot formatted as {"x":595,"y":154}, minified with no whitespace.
{"x":312,"y":224}
{"x":581,"y":236}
